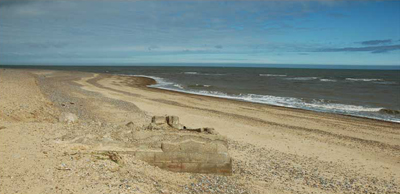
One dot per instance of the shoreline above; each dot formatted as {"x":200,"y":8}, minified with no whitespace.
{"x":277,"y":106}
{"x":153,"y":81}
{"x":258,"y":103}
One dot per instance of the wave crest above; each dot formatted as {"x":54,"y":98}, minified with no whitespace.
{"x":302,"y":78}
{"x":363,"y":79}
{"x":199,"y":86}
{"x":327,"y":80}
{"x":191,"y":73}
{"x":272,"y":75}
{"x":197,"y":73}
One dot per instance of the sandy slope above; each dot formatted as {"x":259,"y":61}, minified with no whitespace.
{"x":275,"y":150}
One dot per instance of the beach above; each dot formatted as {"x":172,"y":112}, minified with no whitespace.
{"x":274,"y":149}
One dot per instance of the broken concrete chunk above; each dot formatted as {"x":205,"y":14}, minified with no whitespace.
{"x":173,"y":121}
{"x":189,"y":146}
{"x":165,"y":122}
{"x":153,"y":126}
{"x":159,"y":120}
{"x":170,"y":147}
{"x":167,"y":144}
{"x":192,"y":153}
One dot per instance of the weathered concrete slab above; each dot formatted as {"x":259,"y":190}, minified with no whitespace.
{"x":165,"y":144}
{"x":159,"y":120}
{"x":207,"y":156}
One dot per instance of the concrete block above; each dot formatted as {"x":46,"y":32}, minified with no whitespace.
{"x":208,"y":148}
{"x":175,"y":167}
{"x":162,"y":157}
{"x":198,"y":157}
{"x":173,"y":121}
{"x":207,"y":168}
{"x":141,"y":134}
{"x":221,"y":148}
{"x":159,"y":120}
{"x":172,"y":157}
{"x":182,"y":152}
{"x":190,"y":167}
{"x":218,"y":158}
{"x":189,"y":162}
{"x":146,"y":156}
{"x":225,"y":169}
{"x":170,"y":147}
{"x":159,"y":164}
{"x":191,"y":146}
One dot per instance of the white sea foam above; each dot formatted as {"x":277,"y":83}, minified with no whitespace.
{"x":191,"y":73}
{"x":327,"y":80}
{"x":302,"y":78}
{"x":197,"y":73}
{"x":200,"y":85}
{"x":321,"y":106}
{"x":284,"y":101}
{"x":315,"y":105}
{"x":342,"y":107}
{"x":178,"y":86}
{"x":160,"y":82}
{"x":297,"y":103}
{"x":363,"y":79}
{"x":272,"y":75}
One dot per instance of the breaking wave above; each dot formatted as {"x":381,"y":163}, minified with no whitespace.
{"x":178,"y":86}
{"x":362,"y":79}
{"x":197,"y":73}
{"x":319,"y":105}
{"x":327,"y":80}
{"x":272,"y":75}
{"x":199,"y":86}
{"x":191,"y":73}
{"x":302,"y":78}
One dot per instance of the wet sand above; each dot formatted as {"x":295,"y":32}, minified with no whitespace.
{"x":274,"y":149}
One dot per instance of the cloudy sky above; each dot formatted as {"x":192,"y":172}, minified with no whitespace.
{"x":138,"y":32}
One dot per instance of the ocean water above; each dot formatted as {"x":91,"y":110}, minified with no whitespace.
{"x":366,"y":93}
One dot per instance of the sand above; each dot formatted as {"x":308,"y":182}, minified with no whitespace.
{"x":274,"y":149}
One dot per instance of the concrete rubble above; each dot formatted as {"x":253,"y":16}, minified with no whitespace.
{"x":172,"y":146}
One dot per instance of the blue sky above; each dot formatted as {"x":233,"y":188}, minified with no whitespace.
{"x":138,"y":32}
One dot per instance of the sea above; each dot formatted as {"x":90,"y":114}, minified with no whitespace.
{"x":364,"y":93}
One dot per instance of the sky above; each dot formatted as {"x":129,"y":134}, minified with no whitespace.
{"x":241,"y":32}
